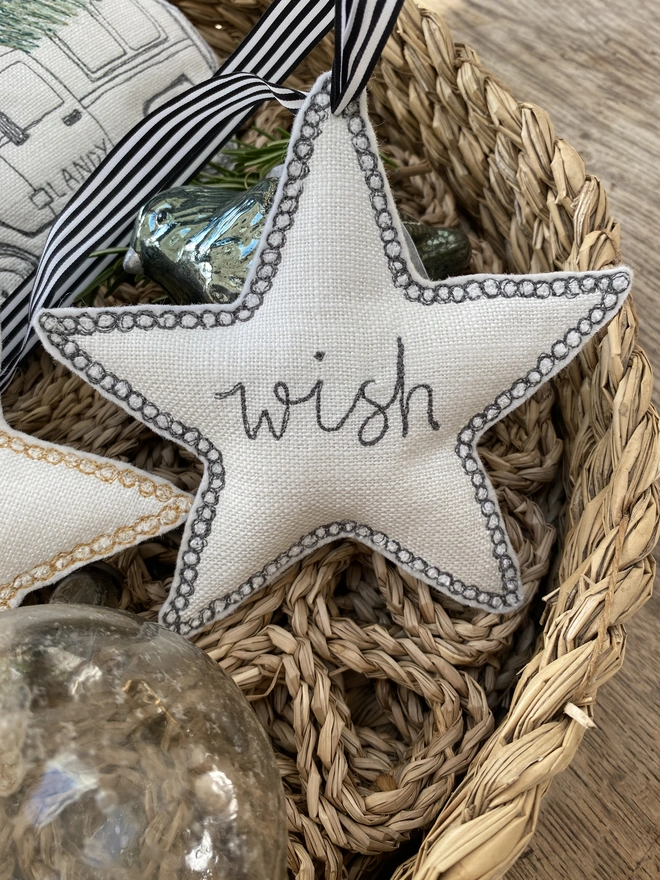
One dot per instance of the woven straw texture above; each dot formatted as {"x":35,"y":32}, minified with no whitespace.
{"x":395,"y":713}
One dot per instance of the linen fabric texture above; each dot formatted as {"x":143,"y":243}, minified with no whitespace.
{"x":61,"y":508}
{"x":343,"y":394}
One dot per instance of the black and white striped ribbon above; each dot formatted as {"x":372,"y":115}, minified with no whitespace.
{"x":361,"y":31}
{"x":174,"y":142}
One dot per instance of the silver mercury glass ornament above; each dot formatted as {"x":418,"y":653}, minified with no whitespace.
{"x":126,"y":753}
{"x":198,"y":242}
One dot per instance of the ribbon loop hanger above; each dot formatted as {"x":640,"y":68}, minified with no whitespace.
{"x":362,"y":28}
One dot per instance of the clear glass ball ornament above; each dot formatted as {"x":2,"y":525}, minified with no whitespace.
{"x":126,"y":753}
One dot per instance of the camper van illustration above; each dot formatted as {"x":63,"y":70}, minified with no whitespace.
{"x":64,"y":104}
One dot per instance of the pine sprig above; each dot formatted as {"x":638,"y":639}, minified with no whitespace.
{"x":247,"y":164}
{"x":113,"y":274}
{"x":23,"y":23}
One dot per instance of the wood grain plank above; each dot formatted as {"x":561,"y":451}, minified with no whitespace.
{"x":649,"y":869}
{"x":595,"y":67}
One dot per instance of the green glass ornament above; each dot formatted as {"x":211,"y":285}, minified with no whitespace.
{"x":444,"y":252}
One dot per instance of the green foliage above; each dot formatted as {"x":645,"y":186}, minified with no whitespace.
{"x":23,"y":23}
{"x":247,"y":163}
{"x":113,"y":274}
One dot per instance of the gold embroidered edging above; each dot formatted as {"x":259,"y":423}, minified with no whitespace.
{"x":175,"y":504}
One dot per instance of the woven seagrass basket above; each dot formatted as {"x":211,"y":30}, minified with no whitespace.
{"x":405,"y":725}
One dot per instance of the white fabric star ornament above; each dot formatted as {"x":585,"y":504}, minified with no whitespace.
{"x":342,"y":394}
{"x":61,"y":508}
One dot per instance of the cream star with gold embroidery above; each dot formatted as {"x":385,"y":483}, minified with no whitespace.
{"x":343,"y":394}
{"x":60,"y":509}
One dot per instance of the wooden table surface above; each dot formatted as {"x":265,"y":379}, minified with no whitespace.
{"x":594,"y":65}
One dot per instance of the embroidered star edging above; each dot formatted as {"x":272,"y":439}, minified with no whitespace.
{"x":174,"y":506}
{"x":611,"y":286}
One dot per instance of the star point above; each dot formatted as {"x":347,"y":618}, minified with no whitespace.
{"x":61,"y":509}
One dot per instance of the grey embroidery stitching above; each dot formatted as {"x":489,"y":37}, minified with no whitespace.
{"x":59,"y":329}
{"x":282,"y":395}
{"x":610,"y":287}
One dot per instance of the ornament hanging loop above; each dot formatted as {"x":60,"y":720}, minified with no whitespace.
{"x":362,"y":28}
